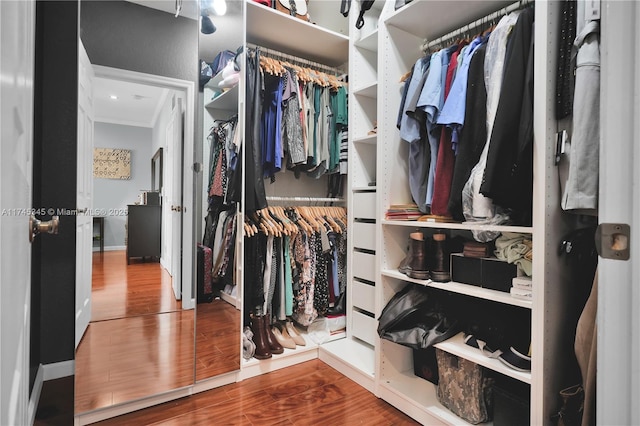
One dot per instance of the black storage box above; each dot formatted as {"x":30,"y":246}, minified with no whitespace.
{"x":466,"y":270}
{"x":510,"y":405}
{"x":498,"y":274}
{"x":486,"y":272}
{"x":425,"y":364}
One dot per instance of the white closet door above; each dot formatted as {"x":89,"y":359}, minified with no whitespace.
{"x":618,"y":382}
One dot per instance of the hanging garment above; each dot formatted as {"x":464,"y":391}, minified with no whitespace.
{"x":564,"y":81}
{"x":474,"y":133}
{"x":453,"y":111}
{"x":255,"y":198}
{"x":476,"y":207}
{"x":508,"y":173}
{"x":271,"y":126}
{"x":446,"y":157}
{"x":581,"y":191}
{"x":586,"y":347}
{"x":431,"y":101}
{"x":291,"y":125}
{"x":413,"y":131}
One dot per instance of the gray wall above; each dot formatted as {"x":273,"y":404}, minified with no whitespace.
{"x":113,"y":195}
{"x":128,"y":36}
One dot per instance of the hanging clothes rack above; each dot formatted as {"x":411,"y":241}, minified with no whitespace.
{"x":271,"y":53}
{"x":307,"y":199}
{"x":480,"y":23}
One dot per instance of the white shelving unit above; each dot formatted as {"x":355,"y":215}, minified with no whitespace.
{"x":355,"y":356}
{"x":401,"y":33}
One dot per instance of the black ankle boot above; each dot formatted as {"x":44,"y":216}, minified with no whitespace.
{"x":440,"y":269}
{"x":415,"y":264}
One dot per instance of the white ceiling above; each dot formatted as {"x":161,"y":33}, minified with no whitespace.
{"x":137,"y":104}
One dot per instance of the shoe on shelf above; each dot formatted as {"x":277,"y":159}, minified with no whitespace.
{"x":283,"y":337}
{"x":248,"y":347}
{"x":260,"y":337}
{"x":295,"y":335}
{"x":415,"y":264}
{"x":440,"y":268}
{"x":274,"y":346}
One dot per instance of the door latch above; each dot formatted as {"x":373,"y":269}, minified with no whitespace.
{"x":612,"y":240}
{"x":36,"y":226}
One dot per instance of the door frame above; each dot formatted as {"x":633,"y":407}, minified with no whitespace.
{"x":618,"y":323}
{"x":188,"y":88}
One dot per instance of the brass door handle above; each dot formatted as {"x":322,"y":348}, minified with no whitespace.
{"x":37,"y":226}
{"x":178,"y":208}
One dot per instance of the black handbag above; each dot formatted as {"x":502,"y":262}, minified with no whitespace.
{"x":417,"y":317}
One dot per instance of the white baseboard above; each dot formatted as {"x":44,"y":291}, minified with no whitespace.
{"x":58,"y":370}
{"x":114,"y":248}
{"x":34,"y":399}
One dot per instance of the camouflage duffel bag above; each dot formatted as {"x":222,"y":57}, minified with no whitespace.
{"x":464,"y":388}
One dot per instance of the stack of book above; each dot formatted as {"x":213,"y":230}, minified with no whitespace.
{"x":521,"y":288}
{"x":403,"y":212}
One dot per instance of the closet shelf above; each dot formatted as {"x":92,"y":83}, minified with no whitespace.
{"x":227,"y":101}
{"x":466,"y":289}
{"x":367,"y":139}
{"x":456,"y":346}
{"x":311,"y":41}
{"x":368,"y":90}
{"x":431,"y":19}
{"x":459,"y":226}
{"x":417,"y":397}
{"x":368,"y":41}
{"x":356,"y":353}
{"x":255,"y":367}
{"x":363,"y":188}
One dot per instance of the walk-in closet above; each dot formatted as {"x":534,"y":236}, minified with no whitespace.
{"x":382,"y":186}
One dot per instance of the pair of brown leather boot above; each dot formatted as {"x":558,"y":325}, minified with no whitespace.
{"x":266,"y":343}
{"x":427,"y":259}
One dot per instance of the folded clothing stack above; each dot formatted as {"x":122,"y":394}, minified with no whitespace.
{"x":521,"y":288}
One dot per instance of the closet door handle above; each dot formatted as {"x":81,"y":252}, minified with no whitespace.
{"x":177,"y":209}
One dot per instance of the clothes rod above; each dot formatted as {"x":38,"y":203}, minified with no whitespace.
{"x":492,"y":16}
{"x":307,"y":199}
{"x":300,"y":61}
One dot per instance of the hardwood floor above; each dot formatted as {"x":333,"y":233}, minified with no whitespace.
{"x":217,"y":339}
{"x":139,"y":341}
{"x":120,"y":290}
{"x":125,"y":359}
{"x":310,"y":393}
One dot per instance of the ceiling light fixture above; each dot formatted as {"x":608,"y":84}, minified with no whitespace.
{"x":114,"y":97}
{"x":219,"y":7}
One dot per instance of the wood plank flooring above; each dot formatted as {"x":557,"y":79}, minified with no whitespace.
{"x":120,"y":290}
{"x":139,"y":341}
{"x":217,"y":339}
{"x":125,"y":359}
{"x":310,"y":393}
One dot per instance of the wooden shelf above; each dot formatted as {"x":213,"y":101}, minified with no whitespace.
{"x":272,"y":29}
{"x":461,"y":226}
{"x":466,"y":289}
